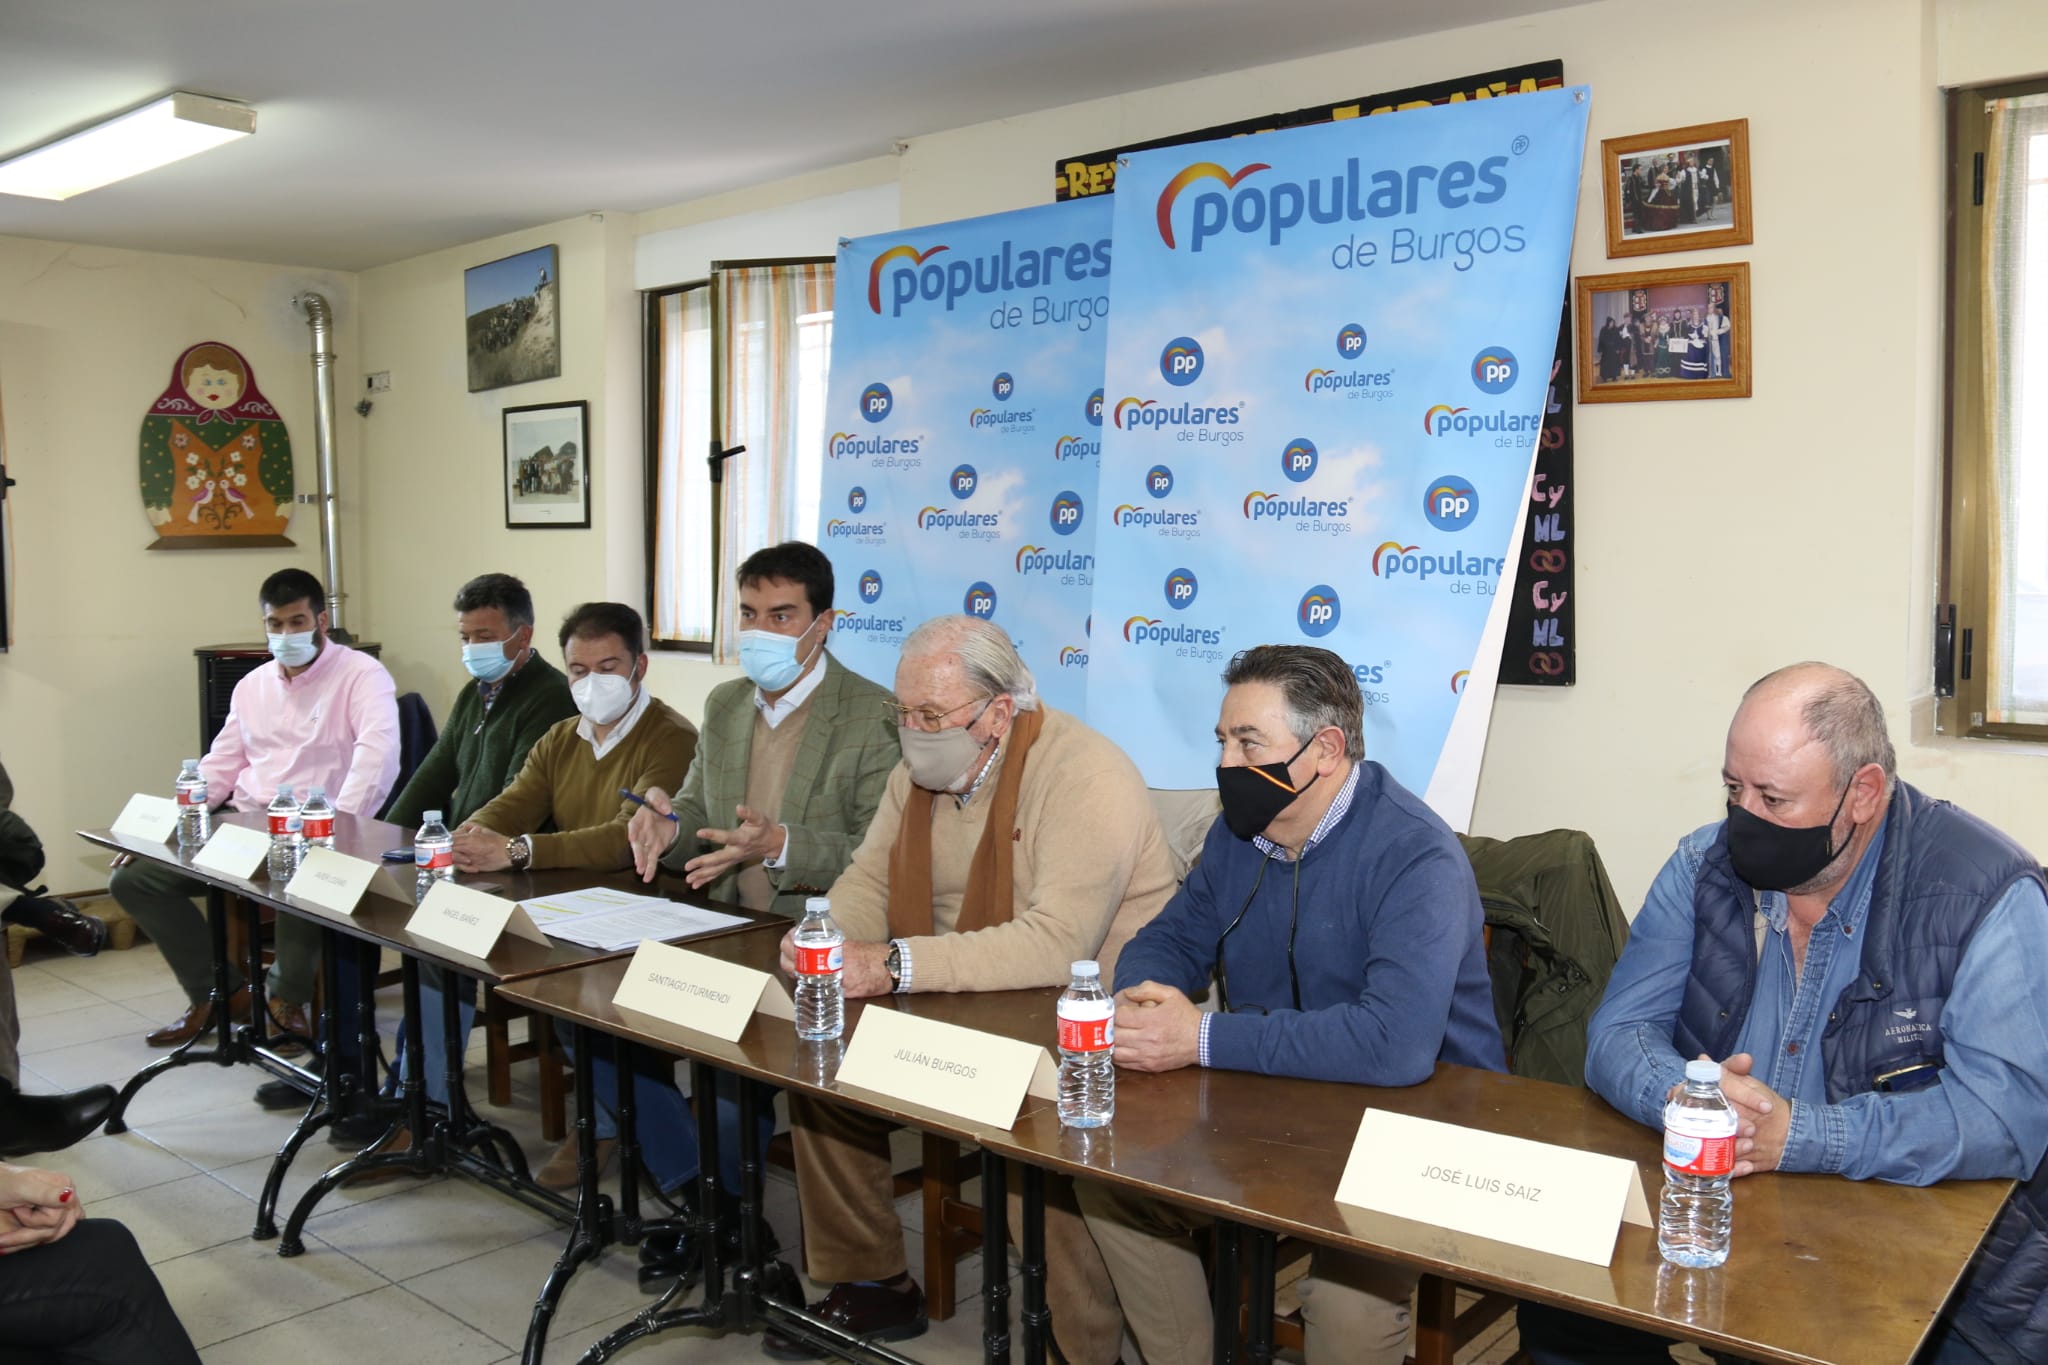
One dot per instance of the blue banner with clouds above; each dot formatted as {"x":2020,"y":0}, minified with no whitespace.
{"x":965,"y":412}
{"x":1328,"y":354}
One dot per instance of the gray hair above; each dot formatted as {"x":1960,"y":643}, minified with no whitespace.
{"x":1842,"y":715}
{"x":1320,"y":689}
{"x":986,"y":656}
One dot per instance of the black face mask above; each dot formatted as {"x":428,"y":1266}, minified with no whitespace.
{"x":1777,"y":857}
{"x":1254,"y":797}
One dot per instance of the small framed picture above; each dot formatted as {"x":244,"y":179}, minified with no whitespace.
{"x":1682,"y":189}
{"x":513,"y":326}
{"x":1664,"y":334}
{"x":547,"y":465}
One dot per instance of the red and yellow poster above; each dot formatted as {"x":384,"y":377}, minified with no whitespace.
{"x":216,"y":463}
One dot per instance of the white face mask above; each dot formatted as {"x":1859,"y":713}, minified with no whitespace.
{"x":602,"y":697}
{"x":294,"y":650}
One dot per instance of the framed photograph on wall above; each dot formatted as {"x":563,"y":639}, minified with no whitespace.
{"x":1681,"y":189}
{"x":514,"y":326}
{"x":1650,"y":335}
{"x":547,"y":465}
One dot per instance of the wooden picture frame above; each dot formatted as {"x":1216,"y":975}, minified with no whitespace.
{"x":1655,"y":350}
{"x":547,"y":465}
{"x":1678,"y":189}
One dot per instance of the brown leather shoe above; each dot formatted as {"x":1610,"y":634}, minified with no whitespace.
{"x":872,"y":1312}
{"x":559,"y":1173}
{"x":193,"y":1021}
{"x":289,"y":1018}
{"x":397,"y":1142}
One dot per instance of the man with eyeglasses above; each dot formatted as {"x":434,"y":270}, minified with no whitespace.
{"x":1342,"y":924}
{"x":1012,"y":841}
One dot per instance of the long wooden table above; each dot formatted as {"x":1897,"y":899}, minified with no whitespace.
{"x":1823,"y":1269}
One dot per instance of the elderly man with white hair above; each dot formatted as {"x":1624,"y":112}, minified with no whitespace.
{"x":1866,"y":963}
{"x":1011,"y":841}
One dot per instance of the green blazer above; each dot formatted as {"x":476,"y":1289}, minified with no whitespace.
{"x":843,"y":763}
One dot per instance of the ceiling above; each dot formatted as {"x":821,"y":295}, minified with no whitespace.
{"x":388,"y":128}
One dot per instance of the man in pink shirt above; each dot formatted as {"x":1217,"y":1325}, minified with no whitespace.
{"x":323,"y":716}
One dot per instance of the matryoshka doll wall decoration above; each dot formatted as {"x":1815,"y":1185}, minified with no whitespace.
{"x":216,"y":462}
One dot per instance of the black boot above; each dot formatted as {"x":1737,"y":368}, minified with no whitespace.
{"x":49,"y":1123}
{"x":78,"y":934}
{"x":679,"y":1255}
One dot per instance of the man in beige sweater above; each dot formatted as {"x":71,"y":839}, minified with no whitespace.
{"x":1011,"y":841}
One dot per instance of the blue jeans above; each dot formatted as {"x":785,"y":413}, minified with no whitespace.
{"x":666,"y":1128}
{"x":433,"y":1029}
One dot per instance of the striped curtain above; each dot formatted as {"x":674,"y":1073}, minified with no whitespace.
{"x":775,"y":340}
{"x":2016,"y":408}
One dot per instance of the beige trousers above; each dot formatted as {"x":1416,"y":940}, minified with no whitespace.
{"x":845,"y":1192}
{"x":1354,"y":1309}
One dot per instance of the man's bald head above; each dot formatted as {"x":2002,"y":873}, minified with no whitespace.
{"x":1817,"y":703}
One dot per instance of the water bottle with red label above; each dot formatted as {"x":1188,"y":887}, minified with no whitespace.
{"x":195,"y":819}
{"x":433,"y":854}
{"x":1698,"y":1208}
{"x":820,"y":962}
{"x":1087,"y":1033}
{"x":283,"y":814}
{"x":316,"y":820}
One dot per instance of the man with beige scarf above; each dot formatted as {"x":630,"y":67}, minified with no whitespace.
{"x":1011,"y":841}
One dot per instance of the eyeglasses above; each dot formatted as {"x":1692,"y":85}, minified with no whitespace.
{"x":924,"y":718}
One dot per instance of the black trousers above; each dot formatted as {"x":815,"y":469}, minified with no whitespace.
{"x":89,"y":1299}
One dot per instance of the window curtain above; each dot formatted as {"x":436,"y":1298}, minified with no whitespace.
{"x":682,"y":521}
{"x":2016,"y":402}
{"x":775,"y":334}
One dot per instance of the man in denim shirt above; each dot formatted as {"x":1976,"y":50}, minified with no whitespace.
{"x":1867,"y":964}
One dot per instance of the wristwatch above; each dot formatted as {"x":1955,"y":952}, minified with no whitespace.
{"x":519,"y":853}
{"x":893,"y":964}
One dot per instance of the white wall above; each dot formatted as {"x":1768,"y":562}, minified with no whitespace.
{"x":99,"y":694}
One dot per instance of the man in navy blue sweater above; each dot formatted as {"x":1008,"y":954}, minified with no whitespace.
{"x":1340,"y":919}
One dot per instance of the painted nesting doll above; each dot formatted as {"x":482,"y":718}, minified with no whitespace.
{"x":216,"y":463}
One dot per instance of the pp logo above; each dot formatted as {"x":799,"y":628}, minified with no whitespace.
{"x":964,"y":482}
{"x":1180,"y":364}
{"x":1159,"y":481}
{"x":1180,"y":589}
{"x":1450,"y":504}
{"x":856,"y":499}
{"x":870,"y":586}
{"x":1003,"y":387}
{"x":980,"y":601}
{"x":1494,"y":369}
{"x":1350,"y":342}
{"x":1319,"y":611}
{"x":1066,"y":513}
{"x":1094,"y":408}
{"x":1298,"y":460}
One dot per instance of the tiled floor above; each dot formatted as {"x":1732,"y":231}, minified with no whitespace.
{"x":440,"y":1270}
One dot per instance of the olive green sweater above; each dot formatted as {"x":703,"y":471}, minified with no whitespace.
{"x":480,"y":752}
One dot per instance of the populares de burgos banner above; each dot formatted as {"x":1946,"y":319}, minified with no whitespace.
{"x":1320,"y":424}
{"x":965,"y":425}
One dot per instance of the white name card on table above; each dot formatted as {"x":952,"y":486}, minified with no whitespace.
{"x":470,"y":921}
{"x":149,"y":819}
{"x":694,"y":991}
{"x":234,"y":851}
{"x":980,"y":1077}
{"x":330,"y":881}
{"x":1528,"y":1194}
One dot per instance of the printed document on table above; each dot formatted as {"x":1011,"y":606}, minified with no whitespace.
{"x":611,"y":920}
{"x":571,"y":906}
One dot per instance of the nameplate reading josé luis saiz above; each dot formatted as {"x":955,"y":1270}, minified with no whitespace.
{"x":972,"y":1075}
{"x":1528,"y":1194}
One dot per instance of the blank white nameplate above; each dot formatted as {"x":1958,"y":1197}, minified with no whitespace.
{"x":151,"y":819}
{"x":234,"y":851}
{"x":470,"y":921}
{"x":1527,"y":1194}
{"x":330,"y":881}
{"x":964,"y":1072}
{"x":692,"y":990}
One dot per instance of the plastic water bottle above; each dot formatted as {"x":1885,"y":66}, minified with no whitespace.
{"x":195,"y":821}
{"x":316,"y":819}
{"x":820,"y":962}
{"x":1087,"y":1033}
{"x":433,"y":854}
{"x":284,"y":835}
{"x":1698,"y":1208}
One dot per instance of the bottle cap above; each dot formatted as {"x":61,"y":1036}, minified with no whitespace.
{"x":432,"y":817}
{"x":1701,"y":1072}
{"x":817,"y":905}
{"x":1087,"y":966}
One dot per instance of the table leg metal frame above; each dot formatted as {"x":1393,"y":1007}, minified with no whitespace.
{"x":233,"y":1045}
{"x":1227,"y":1287}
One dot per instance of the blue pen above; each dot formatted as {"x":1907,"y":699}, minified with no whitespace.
{"x":642,"y":801}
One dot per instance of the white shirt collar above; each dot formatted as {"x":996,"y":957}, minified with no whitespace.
{"x":619,"y":731}
{"x":777,"y":711}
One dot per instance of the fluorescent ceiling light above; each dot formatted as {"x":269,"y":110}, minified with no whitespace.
{"x":170,"y":129}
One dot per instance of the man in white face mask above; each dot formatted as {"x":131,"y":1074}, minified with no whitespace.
{"x":1012,"y":841}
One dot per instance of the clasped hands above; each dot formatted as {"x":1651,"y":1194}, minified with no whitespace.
{"x":652,"y":833}
{"x":35,"y":1207}
{"x":1763,"y":1116}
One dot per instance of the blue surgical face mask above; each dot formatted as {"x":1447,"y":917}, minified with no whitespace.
{"x":770,"y":659}
{"x":486,"y":661}
{"x":295,"y":650}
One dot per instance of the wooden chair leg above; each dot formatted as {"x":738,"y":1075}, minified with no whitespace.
{"x":497,"y":1050}
{"x":941,"y":1182}
{"x":1436,"y":1321}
